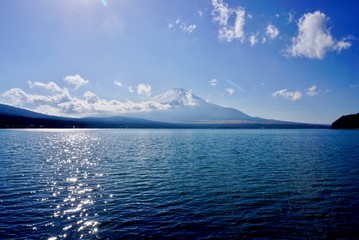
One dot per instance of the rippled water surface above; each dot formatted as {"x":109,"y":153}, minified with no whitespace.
{"x":183,"y":184}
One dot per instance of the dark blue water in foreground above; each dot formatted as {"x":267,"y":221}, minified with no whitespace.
{"x":183,"y":184}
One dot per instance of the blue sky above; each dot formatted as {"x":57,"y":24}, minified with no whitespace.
{"x":287,"y":60}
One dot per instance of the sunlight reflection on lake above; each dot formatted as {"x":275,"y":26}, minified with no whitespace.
{"x":74,"y":183}
{"x":135,"y":184}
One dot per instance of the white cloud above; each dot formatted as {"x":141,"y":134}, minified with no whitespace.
{"x":271,"y":31}
{"x":230,"y":91}
{"x":130,"y":89}
{"x":253,"y":39}
{"x":344,"y":44}
{"x":76,"y":80}
{"x":17,"y":96}
{"x":314,"y":40}
{"x":312,"y":91}
{"x":200,"y":13}
{"x":47,"y":86}
{"x":213,"y":82}
{"x":20,"y":97}
{"x":296,"y":95}
{"x":108,"y":107}
{"x":221,"y":14}
{"x":277,"y":15}
{"x":144,"y":89}
{"x":61,"y":94}
{"x":264,"y":40}
{"x":249,"y":16}
{"x":290,"y":17}
{"x":118,"y":83}
{"x":188,"y":29}
{"x":91,"y":97}
{"x":63,"y":104}
{"x":183,"y":26}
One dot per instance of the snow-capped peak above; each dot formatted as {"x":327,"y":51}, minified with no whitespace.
{"x":178,"y":96}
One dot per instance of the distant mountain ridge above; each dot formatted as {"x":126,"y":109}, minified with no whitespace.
{"x":181,"y":109}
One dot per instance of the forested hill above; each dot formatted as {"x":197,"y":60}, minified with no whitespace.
{"x":347,"y":122}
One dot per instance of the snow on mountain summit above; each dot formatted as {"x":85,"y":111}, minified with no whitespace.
{"x":181,"y":105}
{"x":178,"y":97}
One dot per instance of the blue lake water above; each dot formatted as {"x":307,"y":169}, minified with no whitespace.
{"x":182,"y":184}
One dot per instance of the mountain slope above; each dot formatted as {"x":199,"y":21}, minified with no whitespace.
{"x":14,"y":111}
{"x":186,"y":107}
{"x":13,"y":117}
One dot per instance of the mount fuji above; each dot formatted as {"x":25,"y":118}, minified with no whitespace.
{"x":176,"y":108}
{"x":182,"y":106}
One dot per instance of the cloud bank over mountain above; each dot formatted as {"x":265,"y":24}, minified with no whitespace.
{"x":60,"y":101}
{"x":174,"y":105}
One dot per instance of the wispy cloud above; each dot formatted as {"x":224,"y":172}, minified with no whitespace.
{"x":314,"y":40}
{"x":296,"y":95}
{"x":253,"y":39}
{"x":271,"y":31}
{"x":47,"y":86}
{"x":144,"y":89}
{"x":183,"y":26}
{"x":118,"y":83}
{"x":200,"y":13}
{"x":229,"y":30}
{"x":290,"y":17}
{"x":213,"y":82}
{"x":188,"y":29}
{"x":229,"y":91}
{"x":76,"y":80}
{"x":130,"y":89}
{"x":312,"y":91}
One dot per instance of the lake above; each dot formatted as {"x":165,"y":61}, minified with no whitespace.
{"x":179,"y":184}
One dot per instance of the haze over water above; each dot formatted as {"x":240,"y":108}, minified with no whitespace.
{"x":185,"y":184}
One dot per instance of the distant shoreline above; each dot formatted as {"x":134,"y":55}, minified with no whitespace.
{"x":12,"y":117}
{"x":19,"y":122}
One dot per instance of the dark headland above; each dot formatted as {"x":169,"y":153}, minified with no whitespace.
{"x":347,"y":122}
